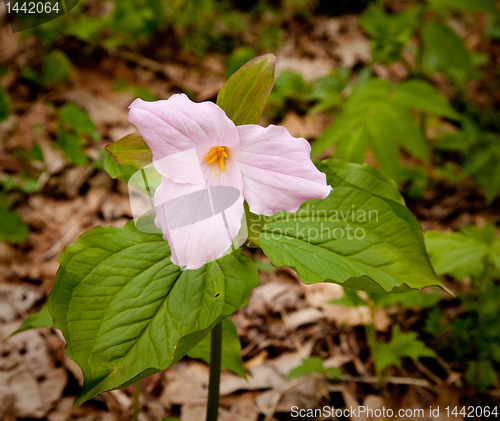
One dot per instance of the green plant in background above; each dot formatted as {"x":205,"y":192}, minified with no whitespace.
{"x":13,"y":230}
{"x":74,"y":126}
{"x":56,"y":68}
{"x":473,"y":253}
{"x":381,"y":116}
{"x":315,"y":365}
{"x":378,"y":115}
{"x":402,"y":345}
{"x":4,"y":105}
{"x":479,"y":150}
{"x":292,"y":92}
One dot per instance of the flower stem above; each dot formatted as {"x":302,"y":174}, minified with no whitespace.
{"x":215,"y":364}
{"x":137,"y":392}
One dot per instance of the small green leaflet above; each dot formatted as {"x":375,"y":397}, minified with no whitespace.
{"x":231,"y":349}
{"x":315,"y":365}
{"x":401,"y":345}
{"x":361,"y":236}
{"x":127,"y":312}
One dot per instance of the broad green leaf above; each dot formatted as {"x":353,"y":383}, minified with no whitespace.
{"x":361,"y":236}
{"x":12,"y":229}
{"x":115,"y":170}
{"x":78,"y":120}
{"x":231,"y":349}
{"x":4,"y":105}
{"x":422,"y":96}
{"x":36,"y":320}
{"x":131,"y":151}
{"x":401,"y":345}
{"x":127,"y":312}
{"x":445,"y":51}
{"x":244,"y":95}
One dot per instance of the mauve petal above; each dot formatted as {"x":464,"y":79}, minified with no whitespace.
{"x":192,"y":220}
{"x":277,"y":170}
{"x":178,"y":125}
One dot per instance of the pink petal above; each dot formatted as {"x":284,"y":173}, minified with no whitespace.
{"x":178,"y":125}
{"x":191,"y":218}
{"x":277,"y":170}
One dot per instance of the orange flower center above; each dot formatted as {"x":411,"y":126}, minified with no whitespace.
{"x":217,"y":153}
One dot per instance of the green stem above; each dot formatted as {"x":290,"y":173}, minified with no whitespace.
{"x":137,"y":392}
{"x":215,"y":364}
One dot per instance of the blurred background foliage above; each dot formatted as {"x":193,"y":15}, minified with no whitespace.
{"x":424,"y":110}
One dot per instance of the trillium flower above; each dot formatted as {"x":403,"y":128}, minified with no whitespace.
{"x":197,"y":148}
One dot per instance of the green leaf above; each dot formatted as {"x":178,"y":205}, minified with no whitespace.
{"x":361,"y":236}
{"x":56,"y":68}
{"x":115,"y":170}
{"x":422,"y":96}
{"x":350,"y":299}
{"x":335,"y":373}
{"x":12,"y":229}
{"x":131,"y":151}
{"x":401,"y":345}
{"x":482,"y":374}
{"x":36,"y":320}
{"x":72,"y":146}
{"x":463,"y":254}
{"x":127,"y":312}
{"x":445,"y":51}
{"x":309,"y":365}
{"x":78,"y":120}
{"x":372,"y":118}
{"x":474,"y":6}
{"x":353,"y":150}
{"x":244,"y":95}
{"x":4,"y":105}
{"x":389,"y":33}
{"x":231,"y":349}
{"x":412,"y":299}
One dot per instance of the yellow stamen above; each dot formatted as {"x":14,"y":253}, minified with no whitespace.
{"x":212,"y":153}
{"x":213,"y":159}
{"x":217,"y":152}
